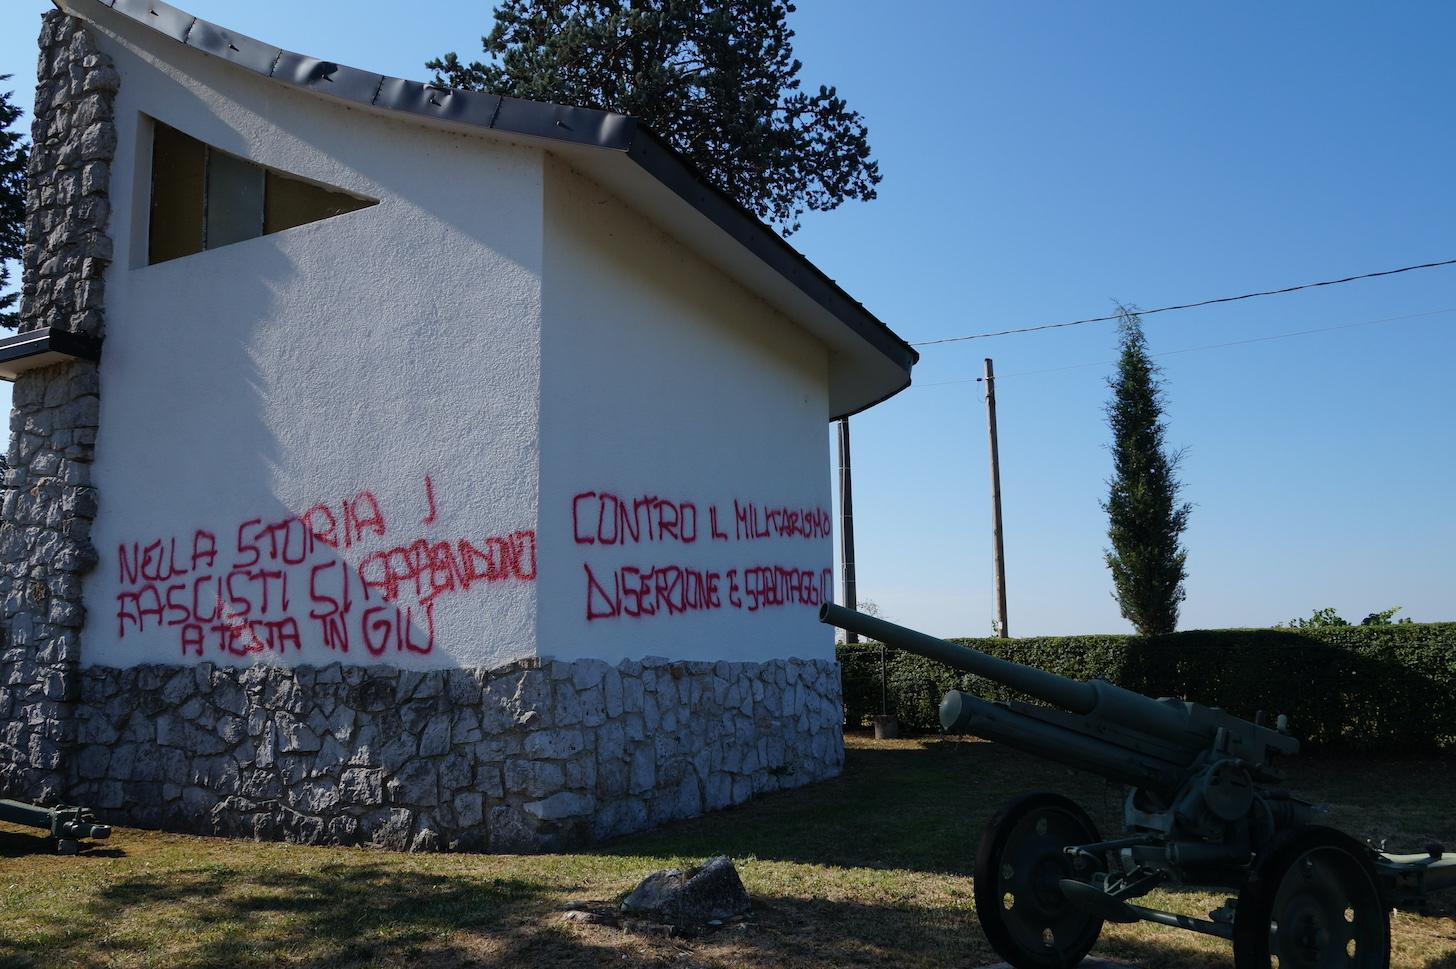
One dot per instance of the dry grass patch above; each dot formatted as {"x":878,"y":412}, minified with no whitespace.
{"x":872,"y":869}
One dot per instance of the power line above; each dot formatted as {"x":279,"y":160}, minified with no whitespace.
{"x":1208,"y":346}
{"x":1187,"y":306}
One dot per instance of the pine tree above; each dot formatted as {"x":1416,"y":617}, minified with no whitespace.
{"x":1145,"y":519}
{"x":716,"y":78}
{"x":14,"y":156}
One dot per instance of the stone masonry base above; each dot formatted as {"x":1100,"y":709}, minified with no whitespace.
{"x":534,"y":756}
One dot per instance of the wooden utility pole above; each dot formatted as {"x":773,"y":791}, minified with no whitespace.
{"x":846,"y":524}
{"x":990,"y":381}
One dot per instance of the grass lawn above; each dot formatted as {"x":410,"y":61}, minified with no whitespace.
{"x":871,"y":869}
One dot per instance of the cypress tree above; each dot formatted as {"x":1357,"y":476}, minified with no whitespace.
{"x":1145,"y":518}
{"x":14,"y":156}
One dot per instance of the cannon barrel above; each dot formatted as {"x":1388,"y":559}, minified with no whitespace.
{"x":1057,"y":690}
{"x":1180,"y":724}
{"x":1034,"y":732}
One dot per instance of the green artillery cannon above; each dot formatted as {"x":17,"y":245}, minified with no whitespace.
{"x":66,"y":824}
{"x":1201,"y":812}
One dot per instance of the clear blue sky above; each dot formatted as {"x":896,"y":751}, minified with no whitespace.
{"x":1043,"y":160}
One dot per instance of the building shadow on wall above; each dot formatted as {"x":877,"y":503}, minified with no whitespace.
{"x":200,"y":500}
{"x":191,"y":444}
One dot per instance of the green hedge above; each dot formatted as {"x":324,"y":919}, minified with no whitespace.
{"x":1348,"y":687}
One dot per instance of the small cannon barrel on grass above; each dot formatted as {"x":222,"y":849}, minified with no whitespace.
{"x":66,"y":824}
{"x":1196,"y":814}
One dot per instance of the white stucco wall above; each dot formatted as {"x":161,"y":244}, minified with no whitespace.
{"x":328,"y":371}
{"x":671,"y":394}
{"x":468,"y":395}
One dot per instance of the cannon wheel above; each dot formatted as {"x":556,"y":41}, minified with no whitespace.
{"x":1312,"y":900}
{"x":1018,"y":865}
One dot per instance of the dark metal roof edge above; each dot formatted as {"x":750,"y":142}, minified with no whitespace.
{"x":31,"y":343}
{"x":538,"y":119}
{"x":582,"y":126}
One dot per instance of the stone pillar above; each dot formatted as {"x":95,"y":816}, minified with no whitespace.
{"x":49,"y":503}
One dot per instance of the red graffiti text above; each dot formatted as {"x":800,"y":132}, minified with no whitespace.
{"x":280,"y":576}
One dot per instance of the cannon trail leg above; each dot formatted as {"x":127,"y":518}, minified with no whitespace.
{"x":1019,"y":867}
{"x":66,"y":824}
{"x":1312,"y":901}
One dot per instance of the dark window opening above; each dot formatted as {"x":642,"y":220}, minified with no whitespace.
{"x":203,"y":198}
{"x":179,"y":180}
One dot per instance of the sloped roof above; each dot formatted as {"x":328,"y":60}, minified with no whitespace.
{"x":868,"y":362}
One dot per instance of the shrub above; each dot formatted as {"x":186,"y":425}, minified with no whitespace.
{"x":1377,"y":687}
